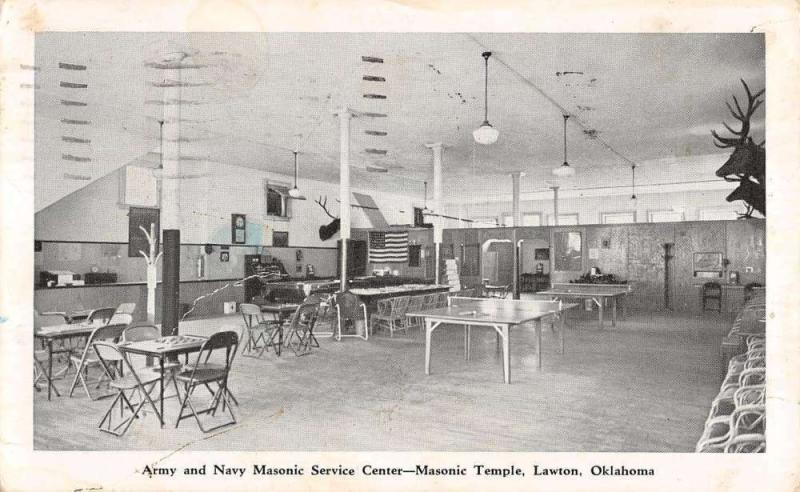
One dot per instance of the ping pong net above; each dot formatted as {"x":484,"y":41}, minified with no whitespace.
{"x":481,"y":305}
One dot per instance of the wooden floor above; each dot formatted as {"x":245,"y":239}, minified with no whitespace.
{"x":645,"y":385}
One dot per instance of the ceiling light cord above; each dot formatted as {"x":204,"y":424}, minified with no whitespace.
{"x":486,"y":56}
{"x":566,"y":117}
{"x":633,"y":182}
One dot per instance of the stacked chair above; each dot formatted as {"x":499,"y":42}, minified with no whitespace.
{"x":391,"y":314}
{"x":261,"y":333}
{"x":736,"y":422}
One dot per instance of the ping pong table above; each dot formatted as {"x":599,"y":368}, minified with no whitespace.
{"x":499,"y":314}
{"x":598,"y":293}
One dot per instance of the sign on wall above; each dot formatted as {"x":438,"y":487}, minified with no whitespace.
{"x":238,"y":229}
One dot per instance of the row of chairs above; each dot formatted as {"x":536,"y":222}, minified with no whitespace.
{"x":736,"y":422}
{"x":391,"y":313}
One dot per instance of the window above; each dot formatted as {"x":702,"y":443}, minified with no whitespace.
{"x":717,"y":213}
{"x":617,"y":217}
{"x":564,"y":219}
{"x":277,"y":200}
{"x":484,"y":222}
{"x":508,"y":220}
{"x":532,"y":219}
{"x":664,"y":216}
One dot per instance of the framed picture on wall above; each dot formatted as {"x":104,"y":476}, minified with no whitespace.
{"x":707,"y":264}
{"x":238,"y":228}
{"x":224,"y":256}
{"x":568,"y":251}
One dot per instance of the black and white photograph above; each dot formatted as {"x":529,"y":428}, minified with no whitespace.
{"x":441,"y":244}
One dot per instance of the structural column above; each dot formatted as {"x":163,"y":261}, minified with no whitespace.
{"x":437,"y":148}
{"x":515,"y":198}
{"x":170,"y":201}
{"x":344,"y":193}
{"x":555,"y":204}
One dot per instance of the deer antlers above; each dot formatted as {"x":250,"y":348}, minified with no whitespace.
{"x":324,"y":205}
{"x":753,"y":102}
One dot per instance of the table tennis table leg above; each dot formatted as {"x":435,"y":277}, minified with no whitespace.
{"x":467,"y":341}
{"x":506,"y":356}
{"x":614,"y":311}
{"x":561,"y":322}
{"x":600,"y":311}
{"x":428,"y":331}
{"x":538,"y":326}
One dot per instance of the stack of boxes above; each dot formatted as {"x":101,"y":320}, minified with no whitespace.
{"x":451,"y":275}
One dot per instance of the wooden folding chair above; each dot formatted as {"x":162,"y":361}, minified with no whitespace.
{"x":112,"y":361}
{"x":82,"y":364}
{"x":202,"y":373}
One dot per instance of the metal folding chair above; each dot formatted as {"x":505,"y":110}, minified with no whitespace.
{"x":112,"y":361}
{"x":87,"y":360}
{"x":350,"y":312}
{"x":261,"y":333}
{"x":301,"y":327}
{"x":203,"y":373}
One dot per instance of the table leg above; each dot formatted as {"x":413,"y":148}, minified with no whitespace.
{"x":613,"y":311}
{"x":161,"y":392}
{"x":506,"y":356}
{"x":467,"y":337}
{"x":49,"y":367}
{"x":561,"y":322}
{"x":600,"y":311}
{"x":428,"y":331}
{"x":538,"y":326}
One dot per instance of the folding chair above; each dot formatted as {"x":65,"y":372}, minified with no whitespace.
{"x":261,"y":333}
{"x":86,"y":360}
{"x":121,"y":319}
{"x":301,"y":327}
{"x":112,"y":361}
{"x":326,"y":313}
{"x":41,"y":320}
{"x":350,"y":312}
{"x":141,"y":333}
{"x":104,"y":314}
{"x":202,"y":373}
{"x":126,"y":308}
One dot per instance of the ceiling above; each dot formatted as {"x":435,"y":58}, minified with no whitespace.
{"x":250,"y":99}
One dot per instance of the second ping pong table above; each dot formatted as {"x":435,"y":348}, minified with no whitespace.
{"x":500,"y":314}
{"x":598,"y":293}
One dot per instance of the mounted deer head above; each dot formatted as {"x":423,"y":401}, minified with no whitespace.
{"x":327,"y":231}
{"x":748,"y":157}
{"x":752,"y":194}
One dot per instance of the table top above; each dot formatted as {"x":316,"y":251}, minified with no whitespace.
{"x":160,"y":347}
{"x":398,"y":289}
{"x":68,"y":329}
{"x":279,"y":307}
{"x":503,"y":311}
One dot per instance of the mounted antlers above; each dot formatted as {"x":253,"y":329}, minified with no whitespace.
{"x":327,"y":231}
{"x":747,"y":162}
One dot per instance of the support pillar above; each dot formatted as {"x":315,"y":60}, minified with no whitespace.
{"x":344,"y":193}
{"x":437,"y":148}
{"x":515,"y":198}
{"x":170,"y":283}
{"x":555,"y":204}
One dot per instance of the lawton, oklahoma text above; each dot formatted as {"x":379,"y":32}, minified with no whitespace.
{"x":418,"y":470}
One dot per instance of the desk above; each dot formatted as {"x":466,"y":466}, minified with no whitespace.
{"x":48,"y":334}
{"x":163,"y":348}
{"x":499,"y":314}
{"x":598,"y":293}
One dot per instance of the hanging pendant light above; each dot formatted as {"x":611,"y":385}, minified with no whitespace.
{"x":295,"y":192}
{"x":633,"y":182}
{"x":486,"y":134}
{"x":564,"y":170}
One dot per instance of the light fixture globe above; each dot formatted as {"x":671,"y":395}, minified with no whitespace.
{"x":294,"y":192}
{"x":485,"y":134}
{"x":564,"y":171}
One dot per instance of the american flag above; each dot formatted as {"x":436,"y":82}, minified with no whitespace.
{"x":388,"y":247}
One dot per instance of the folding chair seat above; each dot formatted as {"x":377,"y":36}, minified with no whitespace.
{"x":202,"y":373}
{"x":87,"y":360}
{"x":136,"y":384}
{"x":301,"y":327}
{"x":261,"y":333}
{"x":351,"y":313}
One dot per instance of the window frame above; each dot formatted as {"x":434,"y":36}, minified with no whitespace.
{"x":281,"y":189}
{"x":631,"y":213}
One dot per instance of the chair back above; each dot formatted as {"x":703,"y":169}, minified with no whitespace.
{"x":228,"y":340}
{"x":712,"y":288}
{"x":140,"y":333}
{"x":350,"y":307}
{"x":415,"y":303}
{"x":304,"y":315}
{"x":110,"y":333}
{"x":126,"y":308}
{"x":249,"y":309}
{"x":400,"y":306}
{"x":107,"y":351}
{"x":100,"y":314}
{"x":121,"y":319}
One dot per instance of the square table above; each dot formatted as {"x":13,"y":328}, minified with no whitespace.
{"x":162,"y":348}
{"x":598,"y":293}
{"x":49,"y":334}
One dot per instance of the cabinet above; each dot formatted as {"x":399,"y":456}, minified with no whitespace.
{"x":534,"y":282}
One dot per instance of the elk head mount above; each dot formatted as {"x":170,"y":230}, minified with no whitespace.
{"x":327,"y":231}
{"x":746,"y":164}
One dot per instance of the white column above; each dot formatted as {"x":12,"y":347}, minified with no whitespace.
{"x":344,"y":191}
{"x":437,"y":148}
{"x":555,"y":204}
{"x":171,"y":153}
{"x":515,"y":198}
